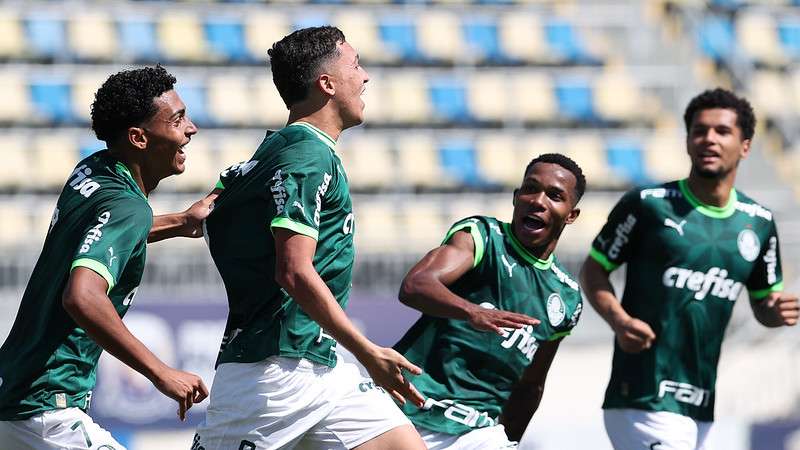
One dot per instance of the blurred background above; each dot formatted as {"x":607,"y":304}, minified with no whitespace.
{"x":463,"y":93}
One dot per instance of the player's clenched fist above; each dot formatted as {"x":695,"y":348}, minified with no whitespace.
{"x":183,"y":387}
{"x":634,"y":335}
{"x":386,"y":366}
{"x":784,"y":308}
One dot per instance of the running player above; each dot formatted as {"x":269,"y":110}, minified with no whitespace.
{"x":692,"y":246}
{"x":495,"y":277}
{"x":281,"y":235}
{"x":89,"y":271}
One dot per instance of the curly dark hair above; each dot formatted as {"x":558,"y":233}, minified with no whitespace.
{"x":721,"y":98}
{"x":126,"y":100}
{"x":297,"y":58}
{"x":567,"y":163}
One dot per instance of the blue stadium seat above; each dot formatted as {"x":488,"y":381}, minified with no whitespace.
{"x":575,"y":99}
{"x":482,"y":36}
{"x":89,"y":146}
{"x":789,"y":34}
{"x":625,"y":157}
{"x":226,"y":39}
{"x":399,"y":35}
{"x":194,"y":96}
{"x":563,"y":41}
{"x":717,"y":40}
{"x":52,"y":100}
{"x":449,"y":100}
{"x":46,"y":36}
{"x":311,"y":20}
{"x":458,"y":160}
{"x":138,"y":40}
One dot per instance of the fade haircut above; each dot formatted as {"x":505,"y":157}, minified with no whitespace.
{"x":721,"y":98}
{"x":566,"y":163}
{"x":126,"y":100}
{"x":297,"y":60}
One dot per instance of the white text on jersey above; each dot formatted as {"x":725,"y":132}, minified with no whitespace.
{"x":278,"y":192}
{"x":81,"y":181}
{"x":621,"y":235}
{"x":321,"y":190}
{"x":684,"y":392}
{"x":95,"y":232}
{"x":714,"y":281}
{"x":771,"y":258}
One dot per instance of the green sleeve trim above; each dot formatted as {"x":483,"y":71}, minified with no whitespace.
{"x":96,"y":266}
{"x":559,"y":335}
{"x":476,"y":237}
{"x":601,"y":259}
{"x":297,"y":227}
{"x":758,"y":295}
{"x":219,"y":185}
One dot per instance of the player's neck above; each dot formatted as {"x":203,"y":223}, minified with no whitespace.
{"x":322,"y":118}
{"x":146,"y":185}
{"x":712,"y":191}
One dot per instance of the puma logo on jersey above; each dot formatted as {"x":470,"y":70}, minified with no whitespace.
{"x":677,"y":226}
{"x":603,"y":242}
{"x":111,"y":256}
{"x":299,"y":206}
{"x":95,"y":233}
{"x":81,"y":182}
{"x":509,"y":267}
{"x":714,"y":281}
{"x":323,"y":335}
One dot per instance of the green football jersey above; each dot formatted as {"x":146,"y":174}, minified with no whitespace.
{"x":687,"y":264}
{"x":295,"y":181}
{"x":469,"y":374}
{"x":101,"y":222}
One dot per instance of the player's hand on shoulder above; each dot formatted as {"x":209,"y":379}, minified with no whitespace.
{"x":495,"y":320}
{"x":386,"y":366}
{"x":634,"y":335}
{"x":183,"y":387}
{"x":785,"y":308}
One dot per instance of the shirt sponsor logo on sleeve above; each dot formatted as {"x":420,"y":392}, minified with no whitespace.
{"x":748,"y":244}
{"x":321,"y":190}
{"x":714,"y":281}
{"x":80,"y":181}
{"x":621,"y":236}
{"x":278,"y":192}
{"x":95,"y":233}
{"x":522,"y":338}
{"x":771,"y":259}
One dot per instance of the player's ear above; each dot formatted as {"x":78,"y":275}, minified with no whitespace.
{"x":326,"y":84}
{"x":137,"y":137}
{"x":573,"y":215}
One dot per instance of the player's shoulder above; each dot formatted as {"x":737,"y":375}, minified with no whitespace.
{"x":565,"y":277}
{"x":747,"y":205}
{"x":656,"y":192}
{"x":486,"y":225}
{"x":300,"y":140}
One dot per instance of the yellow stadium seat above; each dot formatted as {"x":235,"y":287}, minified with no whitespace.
{"x":12,"y":36}
{"x":182,"y":38}
{"x":367,"y":160}
{"x":375,"y":111}
{"x":376,"y":227}
{"x":768,"y":93}
{"x":41,"y":217}
{"x":418,"y":161}
{"x":534,"y":97}
{"x":406,"y":97}
{"x":487,"y":96}
{"x":236,"y":148}
{"x":54,"y":155}
{"x":92,"y":36}
{"x":16,"y":157}
{"x":757,"y":33}
{"x":361,"y":31}
{"x":497,"y":158}
{"x":522,"y":37}
{"x":269,"y":107}
{"x":263,"y":29}
{"x":202,"y":168}
{"x":617,"y":95}
{"x":439,"y":34}
{"x":16,"y":104}
{"x":15,"y":224}
{"x":588,"y":151}
{"x":665,"y":156}
{"x":423,"y":225}
{"x":793,"y":82}
{"x":229,"y":99}
{"x":84,"y":86}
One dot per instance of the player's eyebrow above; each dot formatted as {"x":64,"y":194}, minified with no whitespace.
{"x":177,"y":113}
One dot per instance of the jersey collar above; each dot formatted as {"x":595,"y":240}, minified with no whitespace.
{"x":122,"y":169}
{"x":716,"y":212}
{"x":542,"y":264}
{"x":327,"y":140}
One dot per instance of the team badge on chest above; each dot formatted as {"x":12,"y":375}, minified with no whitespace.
{"x":749,"y":246}
{"x":556,"y":310}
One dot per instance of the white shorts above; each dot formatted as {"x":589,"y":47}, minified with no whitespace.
{"x":68,"y":428}
{"x":488,"y":438}
{"x":294,"y":403}
{"x":633,"y":429}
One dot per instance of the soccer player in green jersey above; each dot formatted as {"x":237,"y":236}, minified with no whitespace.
{"x":281,"y":235}
{"x":692,"y":246}
{"x":484,"y":356}
{"x":89,"y":270}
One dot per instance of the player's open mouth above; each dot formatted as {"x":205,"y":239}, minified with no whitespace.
{"x":533,"y":223}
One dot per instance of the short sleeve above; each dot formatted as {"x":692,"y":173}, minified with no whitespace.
{"x":298,"y":188}
{"x":480,"y":236}
{"x":766,"y":276}
{"x":112,"y":236}
{"x":612,"y":246}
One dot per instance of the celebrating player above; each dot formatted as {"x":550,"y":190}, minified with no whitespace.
{"x":89,"y":271}
{"x":691,"y":246}
{"x":478,"y":341}
{"x":281,"y":235}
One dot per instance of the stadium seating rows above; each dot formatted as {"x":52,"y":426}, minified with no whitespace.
{"x":767,"y":37}
{"x":432,"y":97}
{"x":377,"y":161}
{"x":242,"y":35}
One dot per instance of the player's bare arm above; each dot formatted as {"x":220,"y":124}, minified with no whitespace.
{"x":633,"y":335}
{"x":425,"y":288}
{"x":527,"y":393}
{"x":85,"y":300}
{"x":294,"y":271}
{"x":776,"y":310}
{"x":188,"y":223}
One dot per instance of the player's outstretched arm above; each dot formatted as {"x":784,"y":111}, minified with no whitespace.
{"x":425,"y":288}
{"x":85,"y":300}
{"x":778,"y":309}
{"x":527,"y":393}
{"x":633,"y":335}
{"x":295,"y":272}
{"x":187,"y":223}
